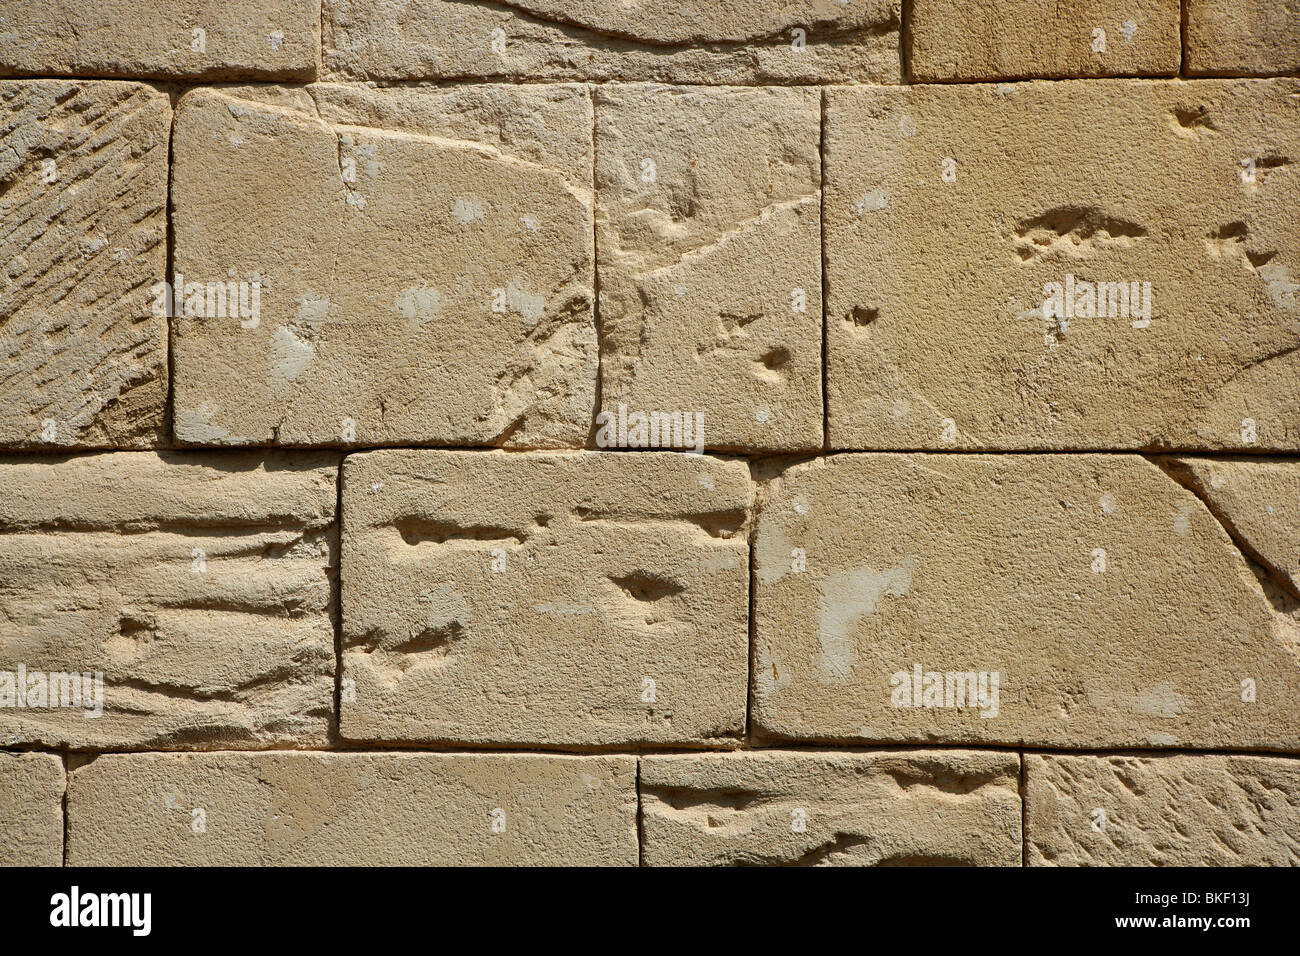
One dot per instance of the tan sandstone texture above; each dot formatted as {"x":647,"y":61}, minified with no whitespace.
{"x":1015,"y":39}
{"x":589,"y":598}
{"x":893,"y":808}
{"x":83,"y":191}
{"x":950,"y":209}
{"x":710,"y":259}
{"x":230,"y":809}
{"x":1235,"y":37}
{"x":685,"y":41}
{"x":191,"y":39}
{"x":1168,"y":810}
{"x":424,"y":261}
{"x":1080,"y":601}
{"x":198,"y":585}
{"x":31,"y":809}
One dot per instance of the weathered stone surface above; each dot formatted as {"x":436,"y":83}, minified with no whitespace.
{"x":352,"y":810}
{"x":900,"y":808}
{"x":1232,"y":37}
{"x":1258,"y":503}
{"x":1016,"y":39}
{"x":424,"y":259}
{"x":198,"y":585}
{"x":83,"y":191}
{"x":684,"y":41}
{"x":589,"y":598}
{"x":1168,"y":810}
{"x":194,"y":39}
{"x":937,"y":331}
{"x":31,"y":809}
{"x":1111,"y":606}
{"x":710,"y":259}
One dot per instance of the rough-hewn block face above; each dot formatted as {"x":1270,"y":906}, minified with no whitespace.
{"x":197,"y":586}
{"x":31,"y":809}
{"x":83,"y":191}
{"x":429,"y":283}
{"x":1017,"y":39}
{"x":710,"y":260}
{"x":683,"y":41}
{"x":590,"y":598}
{"x":943,"y":296}
{"x":1167,"y":810}
{"x":1079,"y":601}
{"x":190,"y":39}
{"x":901,"y":808}
{"x":231,"y":809}
{"x":1236,"y":37}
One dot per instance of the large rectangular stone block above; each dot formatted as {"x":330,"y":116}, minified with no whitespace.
{"x":763,"y":808}
{"x":1109,"y":264}
{"x":167,"y":601}
{"x":684,"y":41}
{"x":31,"y":809}
{"x":708,"y":220}
{"x":422,"y":261}
{"x":1083,"y":601}
{"x":539,"y":599}
{"x":1165,"y":810}
{"x":1236,"y":37}
{"x":190,"y":39}
{"x":83,"y":237}
{"x":336,"y":809}
{"x":1018,"y":39}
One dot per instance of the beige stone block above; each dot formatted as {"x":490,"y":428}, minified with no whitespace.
{"x":959,"y":218}
{"x":708,"y":235}
{"x":186,"y":597}
{"x":684,"y":41}
{"x":190,"y":39}
{"x":423,"y":261}
{"x":541,"y":599}
{"x":1165,"y":810}
{"x":822,"y":808}
{"x":337,"y":809}
{"x":1083,"y":601}
{"x":31,"y":809}
{"x":1018,"y":39}
{"x":1236,"y":37}
{"x":83,"y":192}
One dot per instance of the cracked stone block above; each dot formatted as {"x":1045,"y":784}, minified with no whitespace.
{"x":337,"y":809}
{"x":190,"y":39}
{"x":1053,"y":600}
{"x":540,"y":599}
{"x":684,"y":41}
{"x":1166,"y":810}
{"x":1016,"y":39}
{"x":31,"y":809}
{"x":454,"y":304}
{"x":709,"y":243}
{"x":422,"y":262}
{"x":1102,"y":264}
{"x":83,"y":193}
{"x":1232,"y":37}
{"x":167,"y":601}
{"x":764,"y":808}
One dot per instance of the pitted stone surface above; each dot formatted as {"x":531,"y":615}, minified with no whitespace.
{"x":1242,"y":37}
{"x":589,"y":598}
{"x":198,"y":586}
{"x":31,"y":809}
